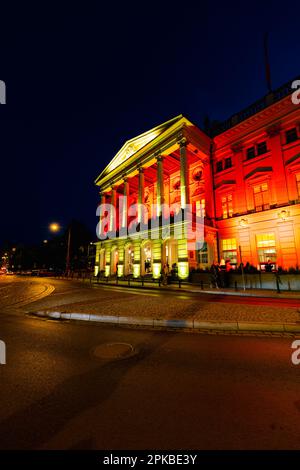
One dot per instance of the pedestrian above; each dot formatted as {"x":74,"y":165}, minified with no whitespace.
{"x":214,"y":275}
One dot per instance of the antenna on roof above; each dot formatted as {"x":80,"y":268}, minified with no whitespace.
{"x":267,"y":63}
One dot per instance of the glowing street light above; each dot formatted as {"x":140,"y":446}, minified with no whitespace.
{"x":54,"y":227}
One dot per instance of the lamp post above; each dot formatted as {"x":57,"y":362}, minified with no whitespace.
{"x":55,"y":227}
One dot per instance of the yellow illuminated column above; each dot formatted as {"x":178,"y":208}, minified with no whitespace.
{"x":184,"y":174}
{"x":97,"y":259}
{"x":136,"y":258}
{"x":183,"y":262}
{"x":121,"y":260}
{"x":112,"y":222}
{"x":156,"y":250}
{"x":125,"y":203}
{"x":141,"y":194}
{"x":102,"y":201}
{"x":107,"y":261}
{"x":160,"y":184}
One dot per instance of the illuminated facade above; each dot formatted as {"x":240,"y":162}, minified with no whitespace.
{"x":244,"y":178}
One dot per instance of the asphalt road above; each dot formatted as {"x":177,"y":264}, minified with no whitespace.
{"x":175,"y":391}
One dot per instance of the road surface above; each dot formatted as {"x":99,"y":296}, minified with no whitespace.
{"x":59,"y":390}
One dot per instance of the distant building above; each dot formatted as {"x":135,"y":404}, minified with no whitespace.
{"x":243,"y":176}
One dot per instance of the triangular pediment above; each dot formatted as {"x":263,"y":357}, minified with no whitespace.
{"x":132,"y":146}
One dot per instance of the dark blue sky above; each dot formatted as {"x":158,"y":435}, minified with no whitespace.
{"x":81,"y":81}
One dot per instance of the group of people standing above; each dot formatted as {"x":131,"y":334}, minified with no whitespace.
{"x":219,"y":274}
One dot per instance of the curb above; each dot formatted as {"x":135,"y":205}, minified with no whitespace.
{"x":176,"y":324}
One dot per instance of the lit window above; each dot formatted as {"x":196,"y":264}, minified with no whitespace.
{"x":261,"y":197}
{"x":250,"y":153}
{"x":291,"y":135}
{"x":266,"y":247}
{"x":200,"y":208}
{"x":298,"y":183}
{"x":229,"y":250}
{"x":262,"y":148}
{"x":227,"y":209}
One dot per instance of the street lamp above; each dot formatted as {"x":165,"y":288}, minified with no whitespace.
{"x":55,"y":227}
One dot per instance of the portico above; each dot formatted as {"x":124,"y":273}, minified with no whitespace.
{"x":152,"y":177}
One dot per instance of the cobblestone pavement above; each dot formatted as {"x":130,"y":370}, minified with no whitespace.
{"x":76,"y":297}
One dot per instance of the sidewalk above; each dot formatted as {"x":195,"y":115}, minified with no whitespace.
{"x":195,"y":288}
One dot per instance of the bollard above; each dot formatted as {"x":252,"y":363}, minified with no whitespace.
{"x":235,"y":285}
{"x":180,"y":283}
{"x":117,"y":280}
{"x":159,"y":280}
{"x":106,"y":278}
{"x":201,"y":284}
{"x":277,"y":285}
{"x":142,"y":281}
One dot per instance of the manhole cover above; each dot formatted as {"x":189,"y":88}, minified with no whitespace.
{"x":113,"y":351}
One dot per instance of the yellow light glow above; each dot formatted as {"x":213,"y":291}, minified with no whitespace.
{"x":156,"y":270}
{"x":120,"y":270}
{"x":136,"y":270}
{"x":54,"y":227}
{"x":183,"y":269}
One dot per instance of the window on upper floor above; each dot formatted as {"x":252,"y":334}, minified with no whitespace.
{"x":200,"y":208}
{"x":298,"y":184}
{"x":228,"y":163}
{"x":219,"y":166}
{"x":250,"y":153}
{"x":227,"y":208}
{"x":291,"y":135}
{"x":262,"y":148}
{"x":261,"y":197}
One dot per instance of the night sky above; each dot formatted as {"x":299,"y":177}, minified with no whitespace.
{"x":81,"y":81}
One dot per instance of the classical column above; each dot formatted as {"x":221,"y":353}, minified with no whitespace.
{"x":125,"y":202}
{"x":156,"y":251}
{"x":160,"y":184}
{"x":136,"y":258}
{"x":141,"y":194}
{"x":112,"y":222}
{"x":102,"y":201}
{"x":121,"y":259}
{"x":184,"y":174}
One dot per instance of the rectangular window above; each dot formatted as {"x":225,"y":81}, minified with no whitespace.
{"x":261,"y":197}
{"x":291,"y":135}
{"x":229,"y":250}
{"x":228,"y":163}
{"x":200,"y":208}
{"x":266,"y":248}
{"x":262,"y":148}
{"x":298,"y":184}
{"x":219,"y":166}
{"x":227,"y":208}
{"x":202,"y":257}
{"x":250,"y":153}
